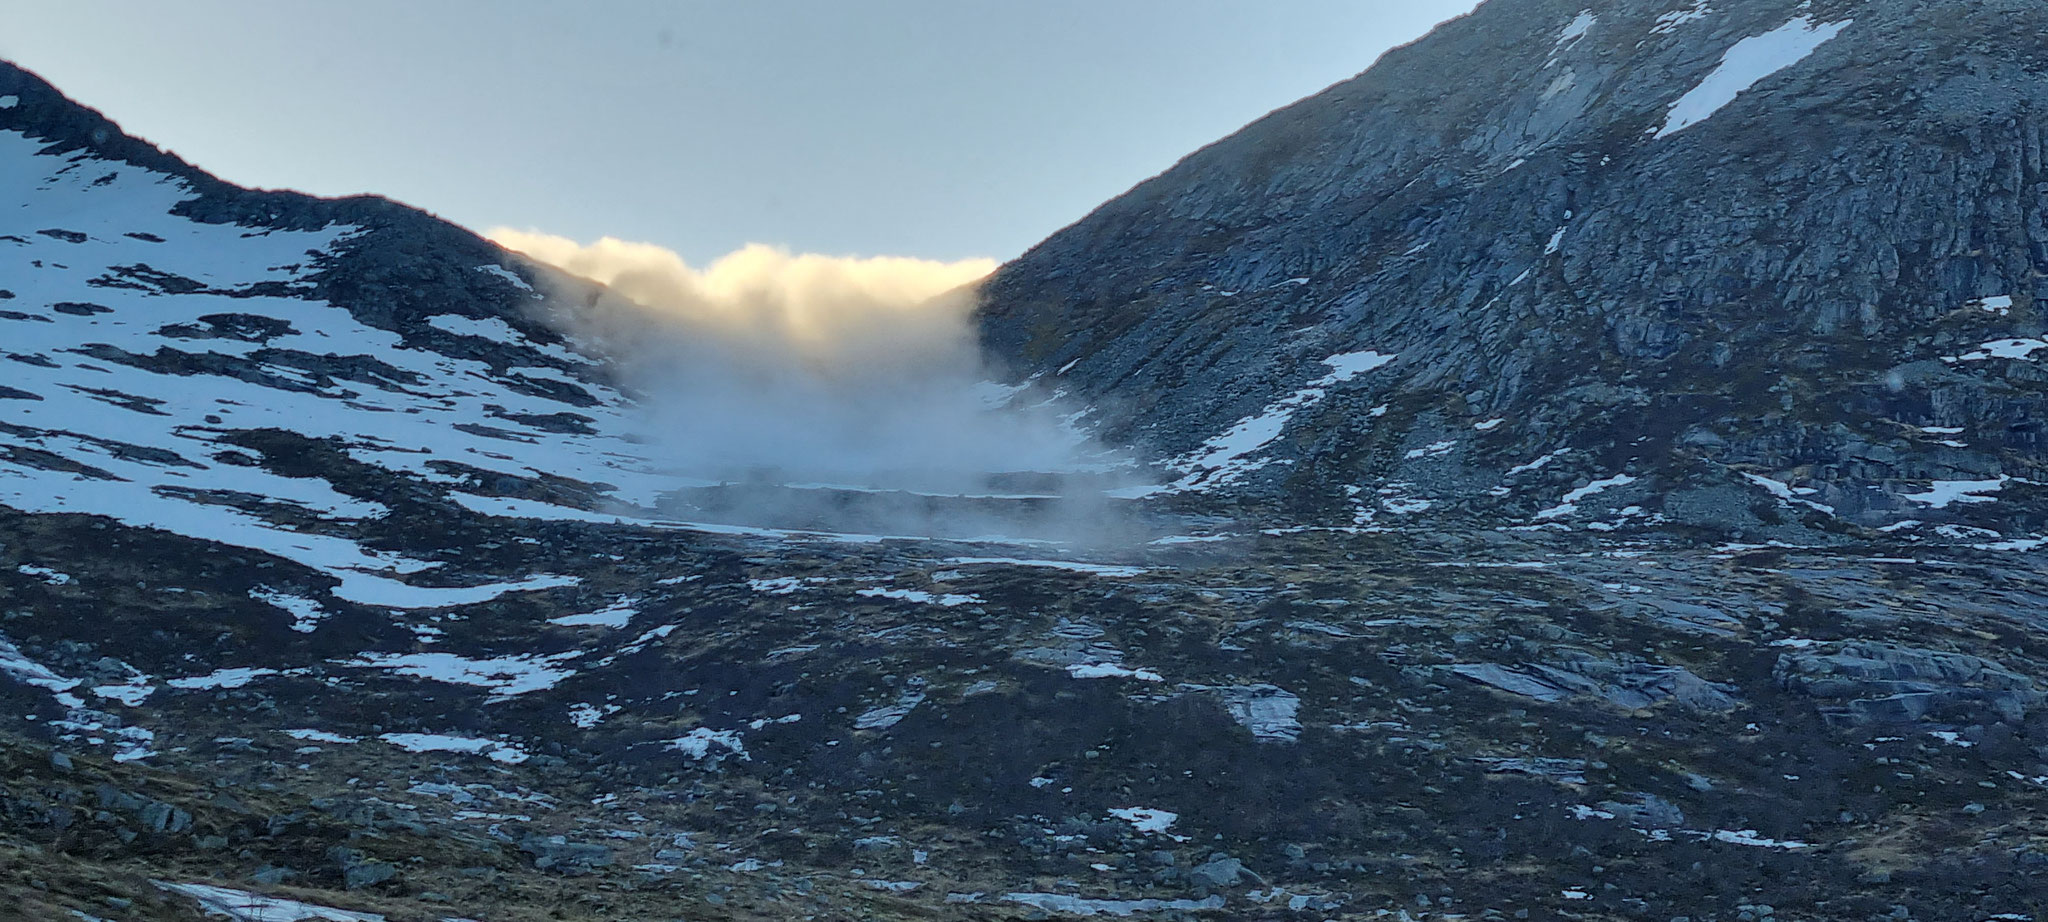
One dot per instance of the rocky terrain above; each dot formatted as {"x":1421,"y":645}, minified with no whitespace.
{"x":1566,"y":509}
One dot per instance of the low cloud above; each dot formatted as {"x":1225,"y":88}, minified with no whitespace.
{"x":767,"y":367}
{"x":826,"y":316}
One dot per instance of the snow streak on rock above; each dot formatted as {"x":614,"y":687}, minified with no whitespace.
{"x":1745,"y":65}
{"x":1227,"y":458}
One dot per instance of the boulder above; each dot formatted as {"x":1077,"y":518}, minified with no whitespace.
{"x":1217,"y":873}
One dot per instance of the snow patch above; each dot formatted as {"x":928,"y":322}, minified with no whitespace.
{"x":495,"y":750}
{"x":1188,"y":539}
{"x":509,"y":277}
{"x":505,"y":676}
{"x":1788,"y":493}
{"x":618,"y":614}
{"x":225,"y":678}
{"x":131,"y":693}
{"x":47,"y":575}
{"x":2019,"y":349}
{"x":1226,"y":458}
{"x":318,"y":736}
{"x":1537,"y":464}
{"x":1111,"y":671}
{"x":1997,"y":304}
{"x":1081,"y":906}
{"x":1570,"y":35}
{"x":1432,"y":450}
{"x":1093,"y":569}
{"x":1941,"y":493}
{"x":1598,"y":486}
{"x":1745,"y":65}
{"x":1670,"y":22}
{"x":306,"y":613}
{"x":1750,"y":838}
{"x":1570,"y":502}
{"x":698,"y":744}
{"x":490,"y":328}
{"x":585,"y":716}
{"x":1350,"y":365}
{"x":79,"y":721}
{"x":943,"y":600}
{"x":1145,"y":819}
{"x":242,"y":906}
{"x":394,"y":594}
{"x":17,"y":666}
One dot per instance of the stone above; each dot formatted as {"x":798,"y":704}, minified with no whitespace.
{"x":162,"y":817}
{"x":556,"y":853}
{"x":1648,"y":812}
{"x":367,"y":874}
{"x":1564,"y":771}
{"x":113,"y":798}
{"x":1217,"y":873}
{"x":1268,"y":711}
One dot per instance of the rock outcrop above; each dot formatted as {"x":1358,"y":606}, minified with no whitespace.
{"x":1886,"y":683}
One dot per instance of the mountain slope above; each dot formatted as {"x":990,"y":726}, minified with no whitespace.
{"x":180,"y":347}
{"x":1777,"y":262}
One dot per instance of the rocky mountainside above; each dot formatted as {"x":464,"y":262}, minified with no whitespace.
{"x":337,"y":583}
{"x":1769,"y":268}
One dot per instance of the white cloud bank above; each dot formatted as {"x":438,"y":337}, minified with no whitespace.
{"x":773,"y":367}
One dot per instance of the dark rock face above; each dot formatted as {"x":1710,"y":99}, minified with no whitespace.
{"x":1802,"y":286}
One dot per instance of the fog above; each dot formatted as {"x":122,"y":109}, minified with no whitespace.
{"x":768,"y":369}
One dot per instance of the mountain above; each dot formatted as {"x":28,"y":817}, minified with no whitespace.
{"x":1768,"y":269}
{"x":1504,"y":562}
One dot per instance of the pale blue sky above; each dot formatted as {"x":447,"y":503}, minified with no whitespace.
{"x":934,"y":128}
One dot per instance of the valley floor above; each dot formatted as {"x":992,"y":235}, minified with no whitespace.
{"x":1312,"y":725}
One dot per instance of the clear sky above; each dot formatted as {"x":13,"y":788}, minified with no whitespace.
{"x":934,"y":128}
